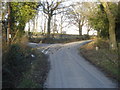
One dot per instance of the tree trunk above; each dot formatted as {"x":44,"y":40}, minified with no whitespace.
{"x":44,"y":26}
{"x":29,"y":30}
{"x":9,"y":23}
{"x":61,"y":24}
{"x":112,"y":25}
{"x":36,"y":24}
{"x":88,"y":31}
{"x":48,"y":29}
{"x":80,"y":29}
{"x":112,"y":35}
{"x":61,"y":28}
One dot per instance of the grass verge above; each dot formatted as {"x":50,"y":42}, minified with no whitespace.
{"x":23,"y":67}
{"x":36,"y":75}
{"x":105,"y":59}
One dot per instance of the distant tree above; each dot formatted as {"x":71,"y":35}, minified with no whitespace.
{"x":62,"y":24}
{"x":96,"y":18}
{"x":76,"y":17}
{"x":49,"y":8}
{"x":88,"y":29}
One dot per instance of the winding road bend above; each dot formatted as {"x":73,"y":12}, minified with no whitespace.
{"x":70,"y":70}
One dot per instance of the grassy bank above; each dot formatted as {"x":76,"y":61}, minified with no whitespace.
{"x":102,"y":57}
{"x":36,"y":75}
{"x":23,"y":67}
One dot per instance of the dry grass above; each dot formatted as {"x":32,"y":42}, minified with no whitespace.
{"x":36,"y":75}
{"x":20,"y":69}
{"x":103,"y":58}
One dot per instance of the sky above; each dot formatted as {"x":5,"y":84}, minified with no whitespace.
{"x":69,"y":30}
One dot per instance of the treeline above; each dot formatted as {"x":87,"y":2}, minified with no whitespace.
{"x":101,"y":16}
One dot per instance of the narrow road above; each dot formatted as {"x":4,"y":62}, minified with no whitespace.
{"x":70,"y":70}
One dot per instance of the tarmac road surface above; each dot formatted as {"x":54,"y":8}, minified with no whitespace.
{"x":70,"y":70}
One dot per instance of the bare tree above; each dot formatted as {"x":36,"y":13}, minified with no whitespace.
{"x":45,"y":20}
{"x":88,"y":30}
{"x":49,"y":9}
{"x":63,"y":19}
{"x":36,"y":23}
{"x":44,"y":25}
{"x":76,"y":17}
{"x":54,"y":25}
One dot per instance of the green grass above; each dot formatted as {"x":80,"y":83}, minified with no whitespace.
{"x":27,"y":82}
{"x":110,"y":67}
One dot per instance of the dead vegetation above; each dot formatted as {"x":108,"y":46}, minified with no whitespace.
{"x":105,"y":59}
{"x":23,"y":67}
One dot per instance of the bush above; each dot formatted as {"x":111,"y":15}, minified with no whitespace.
{"x":20,"y":70}
{"x":86,"y":37}
{"x":14,"y":64}
{"x":36,"y":75}
{"x":101,"y":43}
{"x":35,"y":40}
{"x":63,"y":39}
